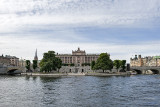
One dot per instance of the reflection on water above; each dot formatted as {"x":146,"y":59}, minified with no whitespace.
{"x":86,"y":91}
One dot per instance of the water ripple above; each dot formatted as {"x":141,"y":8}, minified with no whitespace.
{"x":86,"y":91}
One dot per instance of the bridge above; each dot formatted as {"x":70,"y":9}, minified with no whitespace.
{"x":145,"y":69}
{"x":14,"y":70}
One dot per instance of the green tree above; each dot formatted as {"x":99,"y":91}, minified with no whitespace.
{"x":28,"y":63}
{"x":59,"y":63}
{"x":72,"y":64}
{"x":104,"y":62}
{"x":86,"y":64}
{"x":50,"y":62}
{"x":123,"y":64}
{"x":93,"y":64}
{"x":35,"y":62}
{"x":65,"y":64}
{"x":117,"y":64}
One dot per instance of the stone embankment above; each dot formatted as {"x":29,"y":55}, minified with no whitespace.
{"x":75,"y":74}
{"x":45,"y":74}
{"x":107,"y":74}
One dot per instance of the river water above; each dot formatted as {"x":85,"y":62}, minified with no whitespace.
{"x":80,"y":91}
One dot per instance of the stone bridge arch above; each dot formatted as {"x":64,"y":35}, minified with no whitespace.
{"x":11,"y":71}
{"x":146,"y":70}
{"x":138,"y":71}
{"x":155,"y":71}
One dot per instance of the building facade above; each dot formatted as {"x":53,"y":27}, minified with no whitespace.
{"x":4,"y":60}
{"x":22,"y":62}
{"x":9,"y":60}
{"x":78,"y":58}
{"x":138,"y":61}
{"x":14,"y":61}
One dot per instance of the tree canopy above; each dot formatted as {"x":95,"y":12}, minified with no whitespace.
{"x":59,"y":63}
{"x":28,"y":63}
{"x":123,"y":64}
{"x":50,"y":62}
{"x":117,"y":64}
{"x":93,"y":64}
{"x":35,"y":62}
{"x":86,"y":64}
{"x":104,"y":62}
{"x":120,"y":64}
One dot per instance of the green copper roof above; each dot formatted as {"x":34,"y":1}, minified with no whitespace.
{"x":156,"y":57}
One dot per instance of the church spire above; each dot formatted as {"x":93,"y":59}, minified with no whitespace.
{"x":36,"y":57}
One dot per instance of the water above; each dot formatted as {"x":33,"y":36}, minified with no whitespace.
{"x":86,"y":91}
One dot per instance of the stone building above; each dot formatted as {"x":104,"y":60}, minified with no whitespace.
{"x":14,"y":61}
{"x":4,"y":60}
{"x":146,"y":61}
{"x":78,"y":57}
{"x":22,"y":62}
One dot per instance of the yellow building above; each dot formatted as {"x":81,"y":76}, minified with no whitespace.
{"x":146,"y":61}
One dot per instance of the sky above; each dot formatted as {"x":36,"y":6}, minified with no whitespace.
{"x":122,"y":28}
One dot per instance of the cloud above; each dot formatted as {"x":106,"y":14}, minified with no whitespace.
{"x":119,"y":27}
{"x":17,"y":14}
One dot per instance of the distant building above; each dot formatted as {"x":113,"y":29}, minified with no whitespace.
{"x":14,"y":61}
{"x":146,"y":61}
{"x":78,"y":57}
{"x":4,"y":60}
{"x":22,"y":62}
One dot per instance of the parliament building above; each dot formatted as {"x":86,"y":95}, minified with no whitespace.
{"x":78,"y":58}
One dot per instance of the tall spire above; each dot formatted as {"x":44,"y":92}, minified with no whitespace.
{"x":36,"y":57}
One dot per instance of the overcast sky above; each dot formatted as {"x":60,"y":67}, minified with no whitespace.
{"x":122,"y":28}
